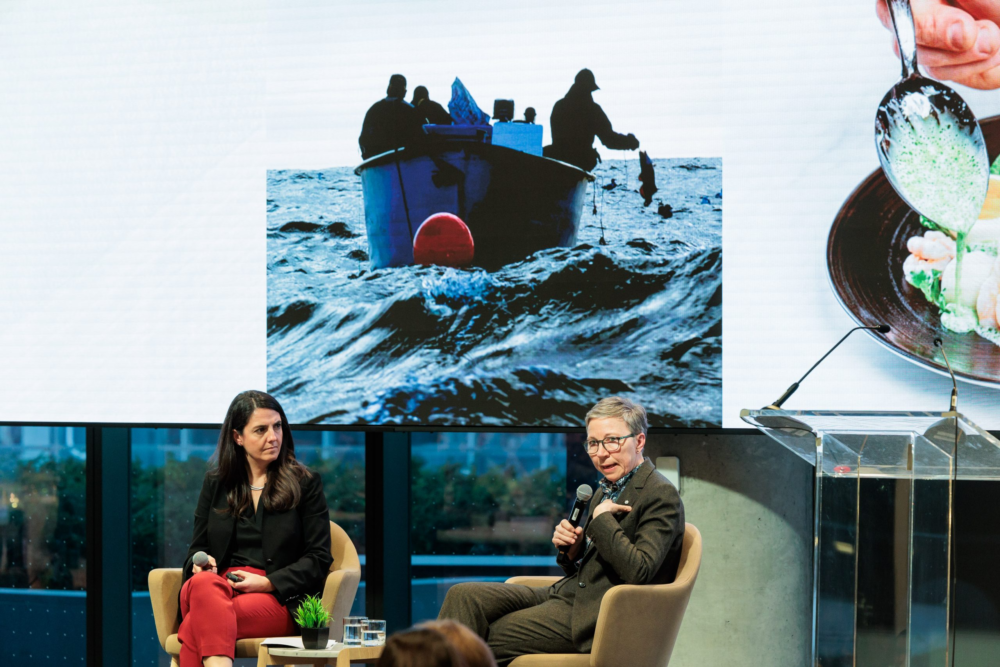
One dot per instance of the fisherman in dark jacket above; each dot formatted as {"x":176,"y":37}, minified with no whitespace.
{"x":576,"y":120}
{"x":391,"y":122}
{"x":429,"y":111}
{"x":632,"y":535}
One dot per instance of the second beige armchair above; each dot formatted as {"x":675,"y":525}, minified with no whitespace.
{"x":641,"y":622}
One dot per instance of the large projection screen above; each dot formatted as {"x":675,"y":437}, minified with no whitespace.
{"x":181,"y":218}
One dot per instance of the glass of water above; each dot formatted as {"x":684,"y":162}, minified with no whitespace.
{"x":370,"y":638}
{"x":377,"y":627}
{"x":354,"y":620}
{"x":352,"y":634}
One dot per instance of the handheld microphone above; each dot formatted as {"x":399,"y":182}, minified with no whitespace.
{"x":881,"y":328}
{"x":583,"y":495}
{"x":938,"y":343}
{"x":200,"y":559}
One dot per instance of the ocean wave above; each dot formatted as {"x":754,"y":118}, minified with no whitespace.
{"x":532,"y":343}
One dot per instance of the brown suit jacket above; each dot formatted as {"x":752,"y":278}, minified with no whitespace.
{"x":640,"y":547}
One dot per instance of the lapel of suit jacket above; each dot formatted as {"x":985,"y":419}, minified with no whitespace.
{"x":631,"y":492}
{"x":594,"y":502}
{"x":227,"y":523}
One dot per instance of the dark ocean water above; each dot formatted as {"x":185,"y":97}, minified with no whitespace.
{"x":533,"y":344}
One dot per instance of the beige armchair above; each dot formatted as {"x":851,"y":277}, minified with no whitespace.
{"x":338,"y":596}
{"x":640,"y":622}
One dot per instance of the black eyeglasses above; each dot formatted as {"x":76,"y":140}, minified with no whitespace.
{"x":612,"y":443}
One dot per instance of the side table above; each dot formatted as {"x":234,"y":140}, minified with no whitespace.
{"x":338,"y":655}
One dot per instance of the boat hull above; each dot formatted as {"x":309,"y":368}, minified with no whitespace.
{"x":514,"y":203}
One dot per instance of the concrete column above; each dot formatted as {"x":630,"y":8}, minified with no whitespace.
{"x":752,"y":501}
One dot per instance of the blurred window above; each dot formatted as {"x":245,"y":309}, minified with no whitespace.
{"x":43,"y":542}
{"x":483,"y":508}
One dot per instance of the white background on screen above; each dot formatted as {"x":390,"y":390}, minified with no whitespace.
{"x":134,"y":141}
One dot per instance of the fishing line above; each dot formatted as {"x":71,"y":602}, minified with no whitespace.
{"x":402,"y":190}
{"x":598,"y":182}
{"x":600,"y":219}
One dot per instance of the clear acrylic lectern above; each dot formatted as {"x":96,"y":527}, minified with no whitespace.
{"x":883,"y":560}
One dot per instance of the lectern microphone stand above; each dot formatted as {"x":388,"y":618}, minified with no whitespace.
{"x":884,"y":510}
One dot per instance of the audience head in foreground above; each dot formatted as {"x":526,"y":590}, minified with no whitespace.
{"x":420,"y":647}
{"x":469,"y":644}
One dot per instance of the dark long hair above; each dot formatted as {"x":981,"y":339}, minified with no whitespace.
{"x":420,"y":647}
{"x":283,"y":489}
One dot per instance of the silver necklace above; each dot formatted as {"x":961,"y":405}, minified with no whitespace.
{"x":256,"y":488}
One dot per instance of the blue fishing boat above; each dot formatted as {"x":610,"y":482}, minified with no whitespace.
{"x":514,"y":203}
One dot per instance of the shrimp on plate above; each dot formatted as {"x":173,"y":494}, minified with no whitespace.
{"x":930,"y":252}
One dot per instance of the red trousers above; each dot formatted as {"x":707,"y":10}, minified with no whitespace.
{"x":214,"y":616}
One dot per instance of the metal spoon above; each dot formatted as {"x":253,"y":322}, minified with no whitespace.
{"x":929,"y":142}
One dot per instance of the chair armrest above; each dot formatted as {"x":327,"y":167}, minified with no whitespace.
{"x":164,"y":589}
{"x":338,"y":597}
{"x":534,"y":582}
{"x":653,"y":612}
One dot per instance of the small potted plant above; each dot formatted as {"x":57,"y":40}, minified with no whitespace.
{"x":315,"y":623}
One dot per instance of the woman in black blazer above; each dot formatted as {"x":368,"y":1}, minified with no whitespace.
{"x":263,"y":521}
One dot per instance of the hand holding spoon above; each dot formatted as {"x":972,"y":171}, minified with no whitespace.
{"x":929,"y":142}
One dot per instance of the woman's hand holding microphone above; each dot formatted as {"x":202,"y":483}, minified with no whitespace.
{"x":202,"y":562}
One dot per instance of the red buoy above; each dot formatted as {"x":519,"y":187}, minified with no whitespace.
{"x":445,"y":240}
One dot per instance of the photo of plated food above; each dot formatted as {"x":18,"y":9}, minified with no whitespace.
{"x":889,"y":265}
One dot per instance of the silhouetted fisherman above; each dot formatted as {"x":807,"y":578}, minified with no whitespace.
{"x":648,"y":179}
{"x":576,"y":120}
{"x":391,"y":122}
{"x":529,"y":116}
{"x":429,"y":111}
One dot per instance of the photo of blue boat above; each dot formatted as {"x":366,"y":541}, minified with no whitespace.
{"x":514,"y":203}
{"x":479,"y":269}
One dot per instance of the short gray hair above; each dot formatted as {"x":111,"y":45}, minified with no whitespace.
{"x":633,"y":414}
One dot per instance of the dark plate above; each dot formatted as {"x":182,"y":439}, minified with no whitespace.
{"x":865,"y":254}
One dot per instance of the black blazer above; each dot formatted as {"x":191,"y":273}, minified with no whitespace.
{"x":641,"y":547}
{"x":296,"y":542}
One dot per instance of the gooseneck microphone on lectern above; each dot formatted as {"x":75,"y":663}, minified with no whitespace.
{"x":583,"y":495}
{"x":881,"y":328}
